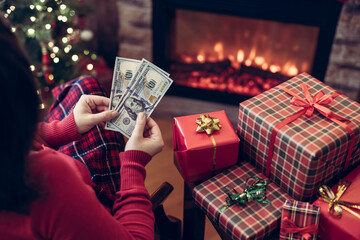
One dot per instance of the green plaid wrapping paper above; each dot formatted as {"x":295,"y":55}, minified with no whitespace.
{"x":309,"y":151}
{"x":302,"y":214}
{"x":252,"y":221}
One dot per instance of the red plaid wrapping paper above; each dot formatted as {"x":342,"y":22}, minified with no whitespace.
{"x":303,"y":214}
{"x":309,"y":151}
{"x":99,"y":149}
{"x":254,"y":220}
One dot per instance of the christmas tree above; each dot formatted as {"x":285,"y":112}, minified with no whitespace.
{"x":53,"y":35}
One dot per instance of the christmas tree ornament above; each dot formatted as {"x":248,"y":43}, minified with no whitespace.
{"x":86,"y":35}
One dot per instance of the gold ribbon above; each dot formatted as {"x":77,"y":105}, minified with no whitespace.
{"x":209,"y":125}
{"x":336,"y":205}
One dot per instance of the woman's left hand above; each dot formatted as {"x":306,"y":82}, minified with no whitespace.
{"x":91,"y":110}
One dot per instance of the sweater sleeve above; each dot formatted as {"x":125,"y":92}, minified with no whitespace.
{"x":57,"y":133}
{"x":70,"y":209}
{"x":132,"y":205}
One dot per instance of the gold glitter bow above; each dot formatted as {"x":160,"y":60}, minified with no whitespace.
{"x":207,"y":124}
{"x":336,"y":205}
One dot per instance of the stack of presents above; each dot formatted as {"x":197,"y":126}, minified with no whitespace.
{"x":290,"y":169}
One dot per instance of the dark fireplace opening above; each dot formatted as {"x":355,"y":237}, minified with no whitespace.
{"x":229,"y":51}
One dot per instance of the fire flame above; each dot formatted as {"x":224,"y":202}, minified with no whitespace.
{"x":250,"y":59}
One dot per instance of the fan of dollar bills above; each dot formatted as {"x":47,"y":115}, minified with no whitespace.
{"x":137,"y":86}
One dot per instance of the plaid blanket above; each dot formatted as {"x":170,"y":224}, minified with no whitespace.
{"x":99,"y":149}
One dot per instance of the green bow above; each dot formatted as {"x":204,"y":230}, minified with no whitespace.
{"x":256,"y":191}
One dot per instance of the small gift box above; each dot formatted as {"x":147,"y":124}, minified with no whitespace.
{"x":301,"y":134}
{"x":340,"y":209}
{"x":254,"y":219}
{"x":204,"y":144}
{"x":299,"y":220}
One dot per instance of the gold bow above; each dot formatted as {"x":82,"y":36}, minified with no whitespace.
{"x":207,"y":124}
{"x":336,"y":205}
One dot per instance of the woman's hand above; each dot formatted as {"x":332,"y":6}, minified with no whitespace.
{"x":91,"y":110}
{"x":146,"y":136}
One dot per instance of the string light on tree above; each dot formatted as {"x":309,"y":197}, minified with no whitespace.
{"x":75,"y":58}
{"x":53,"y":35}
{"x":90,"y":67}
{"x":31,"y":32}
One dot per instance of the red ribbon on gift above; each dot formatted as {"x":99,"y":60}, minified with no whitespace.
{"x":309,"y":105}
{"x":290,"y":227}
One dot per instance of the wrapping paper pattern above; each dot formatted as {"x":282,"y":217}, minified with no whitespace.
{"x":254,"y":220}
{"x":302,"y":214}
{"x":309,"y":151}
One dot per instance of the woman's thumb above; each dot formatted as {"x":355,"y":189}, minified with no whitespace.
{"x":140,"y":124}
{"x":104,"y":116}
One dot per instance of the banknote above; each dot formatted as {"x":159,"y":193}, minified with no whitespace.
{"x":134,"y":82}
{"x":144,"y":92}
{"x":124,"y":70}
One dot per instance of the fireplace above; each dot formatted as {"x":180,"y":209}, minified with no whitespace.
{"x":229,"y":51}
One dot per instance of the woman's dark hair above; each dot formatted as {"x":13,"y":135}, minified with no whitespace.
{"x":19,"y":107}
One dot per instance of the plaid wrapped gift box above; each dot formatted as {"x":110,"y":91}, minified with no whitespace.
{"x":307,"y":152}
{"x":254,"y":220}
{"x":199,"y":156}
{"x":303,"y":217}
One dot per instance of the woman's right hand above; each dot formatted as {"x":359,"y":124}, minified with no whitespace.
{"x":146,"y":136}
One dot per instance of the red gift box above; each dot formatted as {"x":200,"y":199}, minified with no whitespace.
{"x":199,"y":155}
{"x":346,"y":226}
{"x":300,"y":142}
{"x":253,"y":220}
{"x":299,"y":220}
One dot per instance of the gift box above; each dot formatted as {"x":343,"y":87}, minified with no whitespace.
{"x":299,"y":220}
{"x":301,"y":134}
{"x":252,"y":220}
{"x":199,"y":155}
{"x":345,"y":226}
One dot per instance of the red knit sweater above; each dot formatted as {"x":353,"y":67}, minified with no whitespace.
{"x":67,"y":207}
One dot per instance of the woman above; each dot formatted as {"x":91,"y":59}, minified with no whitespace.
{"x":45,"y":194}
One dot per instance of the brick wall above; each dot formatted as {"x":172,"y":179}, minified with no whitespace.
{"x":135,"y":28}
{"x":344,"y":67}
{"x":343,"y":71}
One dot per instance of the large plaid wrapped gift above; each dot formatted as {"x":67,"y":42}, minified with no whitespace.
{"x":301,"y":134}
{"x":253,"y":220}
{"x":346,"y":225}
{"x":199,"y":155}
{"x":299,"y":220}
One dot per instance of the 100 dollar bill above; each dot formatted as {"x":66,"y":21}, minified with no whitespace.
{"x":144,"y":92}
{"x":134,"y":81}
{"x":124,"y":70}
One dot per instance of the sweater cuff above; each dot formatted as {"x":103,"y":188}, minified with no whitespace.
{"x":132,"y":169}
{"x":69,"y":127}
{"x":135,"y":156}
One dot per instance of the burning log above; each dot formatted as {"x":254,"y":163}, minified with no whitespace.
{"x":219,"y":66}
{"x":222,"y":76}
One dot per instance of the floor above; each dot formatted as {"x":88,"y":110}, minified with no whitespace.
{"x":162,"y":168}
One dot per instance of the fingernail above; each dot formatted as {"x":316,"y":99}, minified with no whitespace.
{"x":114,"y":113}
{"x":141,"y":115}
